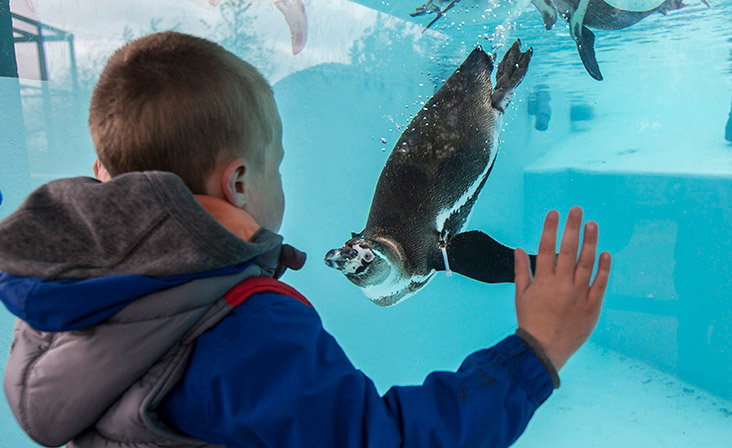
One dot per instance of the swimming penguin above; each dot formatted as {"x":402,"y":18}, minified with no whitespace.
{"x":581,"y":14}
{"x":429,"y":184}
{"x":601,"y":14}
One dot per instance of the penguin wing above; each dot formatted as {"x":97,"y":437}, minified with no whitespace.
{"x":476,"y":255}
{"x":586,"y":49}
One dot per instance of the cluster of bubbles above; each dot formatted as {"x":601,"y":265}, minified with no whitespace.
{"x":494,"y":37}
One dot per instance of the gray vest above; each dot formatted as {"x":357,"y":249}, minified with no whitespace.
{"x":128,"y":364}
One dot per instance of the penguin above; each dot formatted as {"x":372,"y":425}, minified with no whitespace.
{"x":581,"y":14}
{"x":429,"y":184}
{"x":600,"y":14}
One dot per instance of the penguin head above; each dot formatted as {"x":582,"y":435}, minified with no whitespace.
{"x":362,"y":260}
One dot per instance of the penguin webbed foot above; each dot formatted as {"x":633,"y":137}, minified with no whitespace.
{"x":427,"y":8}
{"x":509,"y":74}
{"x":586,"y":49}
{"x":476,"y":255}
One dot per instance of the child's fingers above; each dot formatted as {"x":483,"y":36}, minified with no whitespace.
{"x":567,"y":258}
{"x":522,"y":271}
{"x":547,"y":245}
{"x":597,"y":290}
{"x":586,"y":262}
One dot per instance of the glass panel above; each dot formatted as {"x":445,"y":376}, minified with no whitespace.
{"x":647,"y":153}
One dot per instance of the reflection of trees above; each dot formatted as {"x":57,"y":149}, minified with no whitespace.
{"x":56,"y":112}
{"x":392,"y":47}
{"x":383,"y":46}
{"x":90,"y":69}
{"x":234,"y":32}
{"x":129,"y":33}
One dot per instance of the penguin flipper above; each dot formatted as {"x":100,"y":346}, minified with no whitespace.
{"x":586,"y":49}
{"x":476,"y":255}
{"x":547,"y":11}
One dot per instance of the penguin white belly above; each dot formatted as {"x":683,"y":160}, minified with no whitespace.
{"x":396,"y":287}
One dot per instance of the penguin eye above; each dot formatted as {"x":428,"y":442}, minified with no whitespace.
{"x":368,"y":256}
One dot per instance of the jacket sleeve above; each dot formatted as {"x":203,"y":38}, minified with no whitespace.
{"x":271,"y":376}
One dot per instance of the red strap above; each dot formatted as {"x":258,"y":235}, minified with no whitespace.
{"x":253,"y":285}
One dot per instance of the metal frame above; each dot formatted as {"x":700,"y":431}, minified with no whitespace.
{"x":44,"y":33}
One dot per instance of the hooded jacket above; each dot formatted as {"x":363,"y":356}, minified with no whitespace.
{"x":127,"y":337}
{"x":112,"y":283}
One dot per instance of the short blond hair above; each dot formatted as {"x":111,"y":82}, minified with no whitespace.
{"x":179,"y":103}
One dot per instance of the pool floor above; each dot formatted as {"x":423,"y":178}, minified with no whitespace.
{"x":609,"y":400}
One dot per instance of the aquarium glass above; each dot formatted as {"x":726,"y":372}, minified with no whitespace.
{"x":646,"y":152}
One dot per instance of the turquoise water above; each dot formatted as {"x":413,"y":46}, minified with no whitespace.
{"x":650,"y":164}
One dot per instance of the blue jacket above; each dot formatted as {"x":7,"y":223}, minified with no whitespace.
{"x":269,"y":375}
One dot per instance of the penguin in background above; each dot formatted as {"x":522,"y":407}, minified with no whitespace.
{"x":580,"y":14}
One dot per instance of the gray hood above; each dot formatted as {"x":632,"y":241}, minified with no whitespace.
{"x":145,"y":223}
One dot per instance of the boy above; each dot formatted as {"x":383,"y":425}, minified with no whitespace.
{"x":148,"y":316}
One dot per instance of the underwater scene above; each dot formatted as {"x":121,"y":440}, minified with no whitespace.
{"x":624,"y":109}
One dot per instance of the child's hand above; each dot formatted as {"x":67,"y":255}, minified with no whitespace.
{"x":559,"y":307}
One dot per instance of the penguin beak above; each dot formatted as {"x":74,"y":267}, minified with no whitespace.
{"x":348,"y":259}
{"x":336,"y":259}
{"x":343,"y":259}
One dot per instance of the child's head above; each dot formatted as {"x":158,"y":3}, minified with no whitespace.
{"x":178,"y":103}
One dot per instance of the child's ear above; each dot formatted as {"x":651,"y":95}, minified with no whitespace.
{"x":100,"y":172}
{"x":234,"y":182}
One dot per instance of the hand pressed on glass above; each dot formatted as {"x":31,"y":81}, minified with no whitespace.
{"x":560,"y":305}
